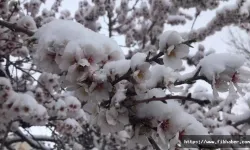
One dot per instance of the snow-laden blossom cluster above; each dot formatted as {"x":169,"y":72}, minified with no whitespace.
{"x":58,"y":72}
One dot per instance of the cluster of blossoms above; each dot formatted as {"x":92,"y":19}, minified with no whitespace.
{"x":93,"y":74}
{"x":86,"y":80}
{"x":34,"y":110}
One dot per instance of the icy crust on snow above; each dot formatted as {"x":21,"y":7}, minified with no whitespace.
{"x":214,"y":64}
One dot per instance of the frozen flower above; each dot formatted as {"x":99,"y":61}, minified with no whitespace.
{"x":24,"y":106}
{"x":40,"y":116}
{"x":5,"y":89}
{"x":117,"y":68}
{"x":99,"y":75}
{"x":224,"y":69}
{"x":171,"y":43}
{"x":81,"y":117}
{"x":109,"y":121}
{"x":21,"y":52}
{"x":100,"y":90}
{"x":71,"y":127}
{"x":81,"y":91}
{"x":140,"y":68}
{"x":60,"y":108}
{"x":73,"y":105}
{"x":142,"y":73}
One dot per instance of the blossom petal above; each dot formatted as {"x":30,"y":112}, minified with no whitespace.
{"x":111,"y":116}
{"x":181,"y":50}
{"x":172,"y":62}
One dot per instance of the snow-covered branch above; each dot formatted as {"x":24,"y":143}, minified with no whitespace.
{"x":36,"y":138}
{"x":15,"y":28}
{"x":172,"y":97}
{"x":30,"y":140}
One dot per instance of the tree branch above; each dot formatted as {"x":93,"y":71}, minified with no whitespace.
{"x":153,"y":143}
{"x":37,"y":138}
{"x":30,"y":141}
{"x":247,"y":120}
{"x":3,"y":141}
{"x":192,"y":80}
{"x":15,"y":28}
{"x":170,"y":97}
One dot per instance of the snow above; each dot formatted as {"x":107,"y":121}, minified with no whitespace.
{"x":169,"y":38}
{"x":214,"y":64}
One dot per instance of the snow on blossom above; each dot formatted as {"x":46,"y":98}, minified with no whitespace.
{"x":140,"y":67}
{"x":71,"y":55}
{"x":82,"y":117}
{"x":72,"y":31}
{"x":27,"y":22}
{"x":180,"y":122}
{"x":99,"y":91}
{"x":142,"y":74}
{"x":5,"y":89}
{"x":99,"y":76}
{"x":123,"y":135}
{"x":170,"y":42}
{"x":137,"y":59}
{"x":163,"y":76}
{"x":39,"y":95}
{"x":21,"y":52}
{"x":24,"y":106}
{"x":107,"y":122}
{"x":157,"y":72}
{"x":7,"y":105}
{"x":223,"y":69}
{"x":171,"y":117}
{"x":157,"y":109}
{"x":71,"y":127}
{"x":215,"y":64}
{"x":111,"y":116}
{"x":117,"y":68}
{"x":225,"y":130}
{"x":50,"y":81}
{"x":82,"y":93}
{"x":60,"y":108}
{"x":114,"y":54}
{"x":40,"y":115}
{"x":73,"y":105}
{"x":120,"y":92}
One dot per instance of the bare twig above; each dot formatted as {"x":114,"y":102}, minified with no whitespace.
{"x":133,"y":7}
{"x":5,"y":136}
{"x":153,"y":143}
{"x":196,"y":16}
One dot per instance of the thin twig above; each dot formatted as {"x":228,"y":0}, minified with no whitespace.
{"x":153,"y":143}
{"x":170,"y":97}
{"x":5,"y":136}
{"x":196,"y":16}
